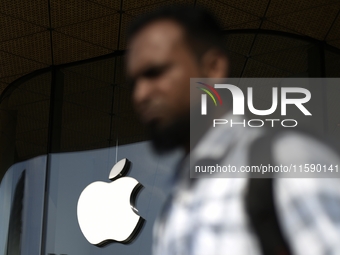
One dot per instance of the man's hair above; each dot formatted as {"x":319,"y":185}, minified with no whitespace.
{"x":201,"y":30}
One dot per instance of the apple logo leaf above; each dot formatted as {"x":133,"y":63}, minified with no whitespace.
{"x":106,"y":211}
{"x":120,"y":169}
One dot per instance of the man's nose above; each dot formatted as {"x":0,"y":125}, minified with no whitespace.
{"x":142,"y":91}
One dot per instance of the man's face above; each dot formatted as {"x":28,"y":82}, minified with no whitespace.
{"x":160,"y":65}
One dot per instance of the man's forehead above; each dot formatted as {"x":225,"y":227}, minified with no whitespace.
{"x":155,"y":43}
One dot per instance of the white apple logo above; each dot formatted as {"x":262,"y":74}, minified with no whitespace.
{"x":106,"y":211}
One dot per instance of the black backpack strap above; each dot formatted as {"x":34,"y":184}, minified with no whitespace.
{"x":259,"y":201}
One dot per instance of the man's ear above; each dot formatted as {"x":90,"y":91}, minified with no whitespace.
{"x":215,"y":64}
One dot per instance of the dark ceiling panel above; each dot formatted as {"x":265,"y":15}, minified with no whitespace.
{"x":265,"y":44}
{"x":115,"y":5}
{"x":32,"y":11}
{"x":279,"y":7}
{"x":3,"y":85}
{"x":101,"y":31}
{"x":135,"y":8}
{"x":290,"y":60}
{"x":334,"y":32}
{"x":68,"y":49}
{"x":68,"y":12}
{"x":11,"y":78}
{"x":12,"y":28}
{"x":228,"y":16}
{"x":13,"y":64}
{"x":102,"y":70}
{"x":83,"y":29}
{"x":75,"y":83}
{"x":335,"y":43}
{"x":255,"y":69}
{"x":129,"y":5}
{"x":237,"y":63}
{"x":21,"y":97}
{"x":254,"y":7}
{"x":269,"y":25}
{"x":239,"y":43}
{"x":248,"y":25}
{"x":126,"y":20}
{"x":314,"y":22}
{"x":31,"y":91}
{"x":35,"y":47}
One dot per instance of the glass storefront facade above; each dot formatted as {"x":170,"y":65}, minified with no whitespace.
{"x":57,"y":231}
{"x":22,"y":207}
{"x":64,"y":127}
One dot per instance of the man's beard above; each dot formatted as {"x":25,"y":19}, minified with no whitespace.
{"x":168,"y":138}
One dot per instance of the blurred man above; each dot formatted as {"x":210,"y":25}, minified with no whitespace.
{"x":210,"y":216}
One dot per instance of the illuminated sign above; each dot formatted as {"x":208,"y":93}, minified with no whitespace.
{"x":106,"y":211}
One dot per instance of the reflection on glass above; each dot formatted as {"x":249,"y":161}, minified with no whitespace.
{"x":15,"y":222}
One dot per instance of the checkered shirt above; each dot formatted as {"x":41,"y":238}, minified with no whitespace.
{"x":207,"y":216}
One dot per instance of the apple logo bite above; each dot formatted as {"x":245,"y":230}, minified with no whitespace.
{"x":106,"y":211}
